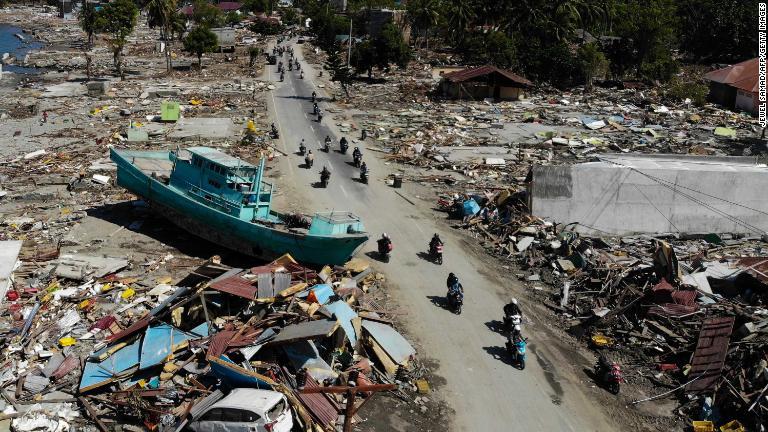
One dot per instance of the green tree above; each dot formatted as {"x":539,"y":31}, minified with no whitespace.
{"x":391,"y":48}
{"x":717,"y":30}
{"x":117,"y":19}
{"x":290,"y":16}
{"x":199,"y":41}
{"x":364,"y":57}
{"x":253,"y":54}
{"x":336,"y":64}
{"x":160,"y":13}
{"x":424,"y":14}
{"x":460,"y":15}
{"x":88,"y":21}
{"x":257,"y":6}
{"x":232,"y":17}
{"x":178,"y":25}
{"x":592,"y":63}
{"x":206,"y":15}
{"x":647,"y":29}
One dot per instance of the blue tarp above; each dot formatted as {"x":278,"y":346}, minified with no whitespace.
{"x":344,"y":315}
{"x":97,"y":373}
{"x":159,"y":342}
{"x":323,"y":293}
{"x":236,"y":376}
{"x":471,"y":207}
{"x":390,"y":341}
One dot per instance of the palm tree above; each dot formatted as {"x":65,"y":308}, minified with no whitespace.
{"x":460,"y":15}
{"x":161,"y":13}
{"x":424,"y":14}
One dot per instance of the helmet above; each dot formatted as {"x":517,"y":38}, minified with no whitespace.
{"x":517,"y":328}
{"x":451,"y":275}
{"x":514,"y":301}
{"x":385,"y":236}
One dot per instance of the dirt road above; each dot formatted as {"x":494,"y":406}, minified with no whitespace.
{"x":485,"y":390}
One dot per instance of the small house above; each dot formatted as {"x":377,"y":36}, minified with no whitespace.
{"x":736,"y":86}
{"x":484,"y":82}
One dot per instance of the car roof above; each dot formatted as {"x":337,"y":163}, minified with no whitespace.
{"x":254,"y":400}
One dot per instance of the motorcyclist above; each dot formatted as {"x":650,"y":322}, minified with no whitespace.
{"x":319,"y":116}
{"x":364,"y":134}
{"x":512,"y":308}
{"x":363,"y":170}
{"x":315,"y":108}
{"x":309,"y":159}
{"x":435,"y":242}
{"x":302,"y":147}
{"x":327,"y":146}
{"x":274,"y":128}
{"x":343,"y":142}
{"x":282,"y":76}
{"x":325,"y":175}
{"x":452,"y":280}
{"x":384,"y":244}
{"x":301,"y":75}
{"x":314,"y":96}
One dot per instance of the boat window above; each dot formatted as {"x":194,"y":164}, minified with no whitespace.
{"x":197,"y":162}
{"x":230,"y":185}
{"x":214,"y":183}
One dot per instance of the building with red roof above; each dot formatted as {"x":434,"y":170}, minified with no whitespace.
{"x":484,"y":82}
{"x":735,"y":86}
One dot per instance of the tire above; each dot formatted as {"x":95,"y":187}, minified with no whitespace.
{"x":522,"y":363}
{"x":614,"y":387}
{"x":439,"y":259}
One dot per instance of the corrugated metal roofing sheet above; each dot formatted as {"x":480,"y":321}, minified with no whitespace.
{"x":468,"y":74}
{"x":219,"y":343}
{"x":236,"y":285}
{"x":319,"y":405}
{"x":742,"y":75}
{"x":709,"y":357}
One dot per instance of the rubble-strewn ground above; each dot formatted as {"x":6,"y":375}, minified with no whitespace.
{"x":479,"y":149}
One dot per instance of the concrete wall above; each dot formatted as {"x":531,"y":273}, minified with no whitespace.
{"x":475,"y":91}
{"x":746,"y":101}
{"x":606,"y":198}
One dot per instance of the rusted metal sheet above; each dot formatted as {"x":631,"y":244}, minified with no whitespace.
{"x":687,"y":298}
{"x":219,"y":343}
{"x":68,"y":365}
{"x":756,"y":266}
{"x":672,"y":310}
{"x":133,"y":328}
{"x":322,"y":409}
{"x":237,"y":286}
{"x":708,"y":359}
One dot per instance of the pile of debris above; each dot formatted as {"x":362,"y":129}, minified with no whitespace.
{"x":98,"y":343}
{"x":688,"y":314}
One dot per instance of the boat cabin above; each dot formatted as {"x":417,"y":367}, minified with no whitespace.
{"x":227,"y":183}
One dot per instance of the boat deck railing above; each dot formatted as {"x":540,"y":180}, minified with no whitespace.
{"x":216,"y":200}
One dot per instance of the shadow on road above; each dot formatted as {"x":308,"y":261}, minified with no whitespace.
{"x":440,"y":301}
{"x":352,"y":164}
{"x":374,"y":255}
{"x":500,"y":353}
{"x":426,"y":256}
{"x":317,"y":185}
{"x":496,"y":326}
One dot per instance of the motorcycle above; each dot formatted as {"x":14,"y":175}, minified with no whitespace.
{"x":364,"y":177}
{"x":385,"y":250}
{"x":282,"y":76}
{"x":301,"y":75}
{"x":436,"y":252}
{"x":609,"y":372}
{"x":302,"y":150}
{"x":357,"y":159}
{"x":290,"y":66}
{"x":455,"y":300}
{"x":327,"y":147}
{"x":344,"y":147}
{"x":516,"y":349}
{"x":275,"y":134}
{"x":319,"y":117}
{"x":309,"y":161}
{"x":324,"y":178}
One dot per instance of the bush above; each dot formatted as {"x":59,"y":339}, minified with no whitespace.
{"x":681,"y":89}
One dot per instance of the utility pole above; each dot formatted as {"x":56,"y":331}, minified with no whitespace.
{"x":350,"y":410}
{"x":349,"y":48}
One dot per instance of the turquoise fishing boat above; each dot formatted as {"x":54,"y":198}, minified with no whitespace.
{"x":225,"y":200}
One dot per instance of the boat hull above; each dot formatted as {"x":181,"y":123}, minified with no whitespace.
{"x":228,"y":231}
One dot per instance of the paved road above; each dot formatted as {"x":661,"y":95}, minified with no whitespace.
{"x":486,"y":392}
